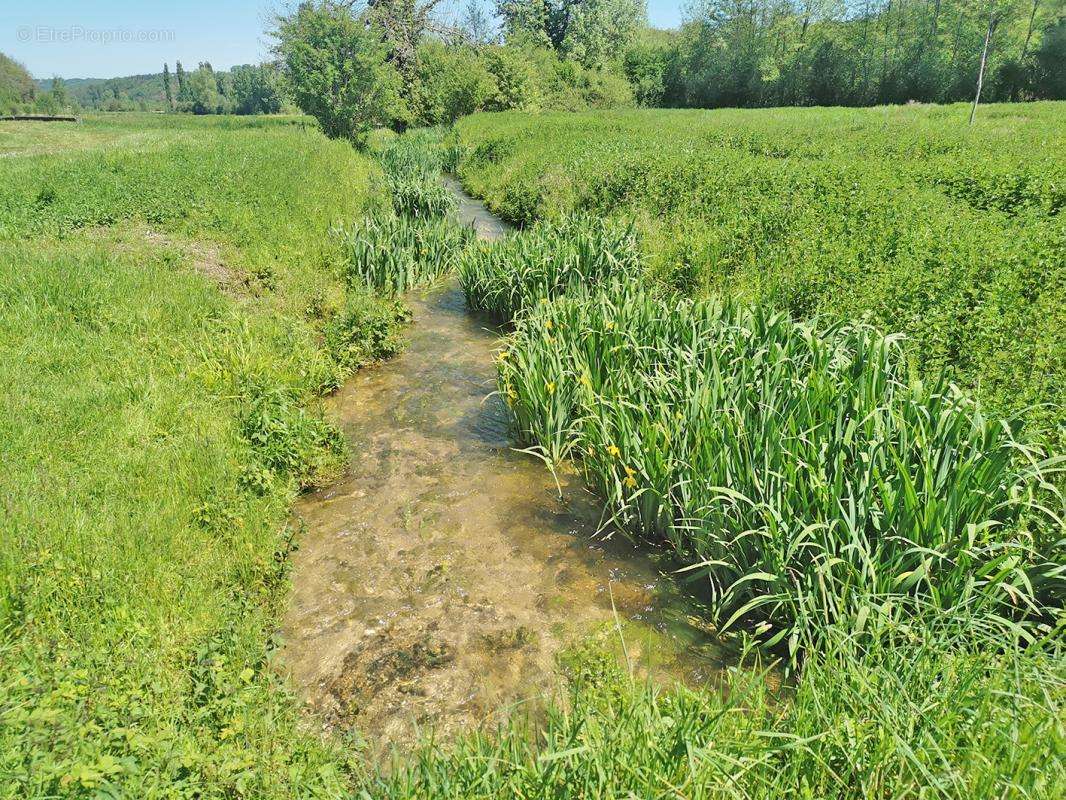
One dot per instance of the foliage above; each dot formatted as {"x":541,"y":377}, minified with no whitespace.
{"x":201,"y":92}
{"x":169,"y":308}
{"x":509,"y":278}
{"x":947,"y":715}
{"x":337,"y":70}
{"x":256,"y":90}
{"x":451,"y":82}
{"x":591,"y":32}
{"x":794,"y":464}
{"x":951,"y":236}
{"x":394,"y":254}
{"x":826,"y":53}
{"x":17,"y":87}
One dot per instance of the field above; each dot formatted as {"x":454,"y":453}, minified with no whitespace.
{"x":703,"y":311}
{"x":902,"y":216}
{"x":167,"y":319}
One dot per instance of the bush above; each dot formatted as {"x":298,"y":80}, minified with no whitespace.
{"x":451,"y":82}
{"x":337,"y":70}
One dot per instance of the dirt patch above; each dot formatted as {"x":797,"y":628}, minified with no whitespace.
{"x":204,"y":257}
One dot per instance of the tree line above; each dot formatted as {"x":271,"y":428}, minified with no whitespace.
{"x":245,"y":89}
{"x":856,"y":53}
{"x":354,"y":65}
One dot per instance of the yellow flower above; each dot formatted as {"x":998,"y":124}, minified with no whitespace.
{"x":630,"y":471}
{"x":610,"y":325}
{"x":630,"y":481}
{"x":551,"y":387}
{"x":503,"y":355}
{"x":613,"y":451}
{"x":548,"y":324}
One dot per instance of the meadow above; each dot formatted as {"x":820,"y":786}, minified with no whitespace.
{"x":903,"y":216}
{"x":816,"y":353}
{"x":171,"y":308}
{"x":804,"y":362}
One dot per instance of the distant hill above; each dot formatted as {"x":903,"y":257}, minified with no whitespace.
{"x":17,"y":88}
{"x":134,"y":92}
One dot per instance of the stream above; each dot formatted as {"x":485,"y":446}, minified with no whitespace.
{"x":437,"y":583}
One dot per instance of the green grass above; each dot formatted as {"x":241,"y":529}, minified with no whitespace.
{"x":796,"y":466}
{"x":943,"y":716}
{"x":161,"y":416}
{"x":906,"y":216}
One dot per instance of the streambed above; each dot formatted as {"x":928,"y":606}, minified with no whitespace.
{"x":436,"y":584}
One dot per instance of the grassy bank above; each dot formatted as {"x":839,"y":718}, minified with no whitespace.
{"x":902,"y":548}
{"x":170,"y":308}
{"x":904,"y":216}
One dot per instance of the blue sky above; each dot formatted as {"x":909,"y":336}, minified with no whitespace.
{"x":107,"y":38}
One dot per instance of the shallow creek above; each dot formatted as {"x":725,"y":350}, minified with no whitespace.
{"x":436,"y":584}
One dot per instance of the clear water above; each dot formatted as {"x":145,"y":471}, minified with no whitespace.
{"x":438,"y":582}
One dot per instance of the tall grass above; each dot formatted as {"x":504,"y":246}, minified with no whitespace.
{"x":412,"y":167}
{"x":943,"y":714}
{"x":507,"y":278}
{"x":795,"y":464}
{"x":394,"y":254}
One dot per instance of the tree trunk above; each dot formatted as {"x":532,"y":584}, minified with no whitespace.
{"x":984,"y":60}
{"x":1029,"y":34}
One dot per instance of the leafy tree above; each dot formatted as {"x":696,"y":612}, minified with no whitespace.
{"x":336,"y":65}
{"x":645,"y":64}
{"x":1048,"y":71}
{"x":590,"y":31}
{"x":256,"y":90}
{"x":451,"y":82}
{"x":17,"y":88}
{"x":59,"y":93}
{"x":202,"y":92}
{"x":167,"y":90}
{"x":183,"y":84}
{"x":518,"y":84}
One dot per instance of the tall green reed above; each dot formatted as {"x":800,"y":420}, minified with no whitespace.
{"x":795,"y":465}
{"x":506,"y":278}
{"x":395,"y":254}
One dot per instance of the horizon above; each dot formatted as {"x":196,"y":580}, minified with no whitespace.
{"x":120,"y":38}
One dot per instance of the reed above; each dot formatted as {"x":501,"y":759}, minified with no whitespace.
{"x":796,"y":465}
{"x":395,"y":254}
{"x":507,"y":278}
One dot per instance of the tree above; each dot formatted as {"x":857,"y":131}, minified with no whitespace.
{"x":167,"y":90}
{"x":17,"y":87}
{"x":255,"y":90}
{"x":590,"y":31}
{"x":451,"y":82}
{"x":183,"y":84}
{"x":59,"y":93}
{"x":337,"y":68}
{"x":202,"y":91}
{"x":476,"y":26}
